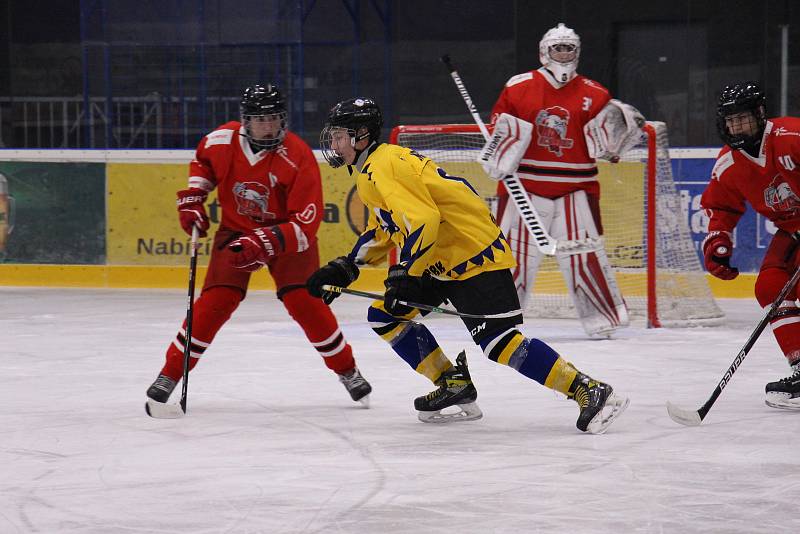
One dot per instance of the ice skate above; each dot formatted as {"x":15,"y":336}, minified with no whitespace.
{"x":357,"y":386}
{"x":455,"y":389}
{"x":162,"y":388}
{"x":157,"y":395}
{"x":598,"y":403}
{"x":785,"y":393}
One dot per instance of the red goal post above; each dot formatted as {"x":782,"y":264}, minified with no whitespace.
{"x":646,"y":236}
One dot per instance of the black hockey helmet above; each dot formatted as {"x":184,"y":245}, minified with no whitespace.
{"x":263,"y":101}
{"x":362,"y":119}
{"x":746,"y":97}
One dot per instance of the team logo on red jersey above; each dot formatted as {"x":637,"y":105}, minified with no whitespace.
{"x":252,"y":200}
{"x":551,"y":127}
{"x":308,"y":215}
{"x":780,"y":197}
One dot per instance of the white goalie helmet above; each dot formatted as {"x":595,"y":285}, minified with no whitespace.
{"x":559,"y":51}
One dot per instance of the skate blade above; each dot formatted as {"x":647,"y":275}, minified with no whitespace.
{"x":612,"y":409}
{"x":782,"y":402}
{"x":467,"y":412}
{"x":364,"y":401}
{"x":161,"y":410}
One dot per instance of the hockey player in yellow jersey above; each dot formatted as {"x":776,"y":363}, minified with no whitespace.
{"x":450,"y":249}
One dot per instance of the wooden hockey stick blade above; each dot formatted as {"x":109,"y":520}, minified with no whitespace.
{"x":160,"y":410}
{"x":684,"y":416}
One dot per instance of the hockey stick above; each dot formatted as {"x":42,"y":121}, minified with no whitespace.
{"x":171,"y":411}
{"x":695,"y":417}
{"x":544,"y":242}
{"x":434,"y":309}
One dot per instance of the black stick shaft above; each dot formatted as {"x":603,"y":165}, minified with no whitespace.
{"x":187,"y":348}
{"x":749,"y":344}
{"x":419,"y":306}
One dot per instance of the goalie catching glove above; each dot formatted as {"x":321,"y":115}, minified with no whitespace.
{"x":503,"y":151}
{"x":614,"y":131}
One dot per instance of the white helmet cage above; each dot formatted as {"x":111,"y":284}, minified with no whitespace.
{"x":561,"y":64}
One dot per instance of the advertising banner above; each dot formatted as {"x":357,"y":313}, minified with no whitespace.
{"x":52,"y":212}
{"x":143,"y":224}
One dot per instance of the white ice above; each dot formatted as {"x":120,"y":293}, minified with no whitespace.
{"x":273,"y":444}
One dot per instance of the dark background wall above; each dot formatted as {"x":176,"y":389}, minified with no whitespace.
{"x":147,"y":73}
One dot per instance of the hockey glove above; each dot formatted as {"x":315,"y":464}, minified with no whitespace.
{"x":254,"y":249}
{"x":341,"y":272}
{"x":192,"y":210}
{"x":402,"y":286}
{"x":717,"y":249}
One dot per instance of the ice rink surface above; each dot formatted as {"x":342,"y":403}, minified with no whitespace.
{"x":272,"y":443}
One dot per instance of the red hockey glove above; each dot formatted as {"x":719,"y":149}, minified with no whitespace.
{"x":254,"y":249}
{"x":192,"y":210}
{"x":717,"y":249}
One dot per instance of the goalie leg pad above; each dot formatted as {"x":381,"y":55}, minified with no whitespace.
{"x":588,"y":275}
{"x":527,"y":254}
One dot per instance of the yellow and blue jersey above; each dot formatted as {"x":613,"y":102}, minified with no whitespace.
{"x":439,"y":222}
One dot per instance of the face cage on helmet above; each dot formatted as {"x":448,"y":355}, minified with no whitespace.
{"x":326,"y":144}
{"x":742,"y":141}
{"x":569,"y":55}
{"x":266,"y":144}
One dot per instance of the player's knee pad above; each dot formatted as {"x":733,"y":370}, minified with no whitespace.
{"x":769,"y":284}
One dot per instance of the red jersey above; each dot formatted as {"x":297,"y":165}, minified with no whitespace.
{"x":557,"y":161}
{"x":280,"y":187}
{"x":770,"y":183}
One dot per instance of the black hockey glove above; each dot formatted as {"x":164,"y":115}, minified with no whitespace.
{"x":341,"y":272}
{"x":402,"y":286}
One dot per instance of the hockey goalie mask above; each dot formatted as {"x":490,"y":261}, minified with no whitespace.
{"x":742,"y":116}
{"x":559,"y":51}
{"x":349,"y":122}
{"x":264,"y":116}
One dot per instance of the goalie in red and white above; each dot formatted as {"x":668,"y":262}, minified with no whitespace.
{"x":550,"y":125}
{"x":759,"y":166}
{"x":270,"y":190}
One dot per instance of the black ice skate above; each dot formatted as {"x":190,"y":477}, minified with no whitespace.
{"x":162,"y":388}
{"x":455,"y":389}
{"x":785,"y":393}
{"x":157,"y":395}
{"x":358,"y":388}
{"x":598,"y":403}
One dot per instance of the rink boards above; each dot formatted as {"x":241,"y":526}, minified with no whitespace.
{"x":95,"y":218}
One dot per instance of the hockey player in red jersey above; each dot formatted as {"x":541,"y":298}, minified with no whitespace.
{"x":759,"y":165}
{"x":559,"y":171}
{"x":270,"y":191}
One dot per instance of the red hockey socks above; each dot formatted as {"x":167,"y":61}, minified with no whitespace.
{"x":320,"y":326}
{"x":211,"y":310}
{"x":786,"y":321}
